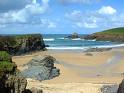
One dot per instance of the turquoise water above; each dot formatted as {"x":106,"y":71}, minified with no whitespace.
{"x":57,"y":41}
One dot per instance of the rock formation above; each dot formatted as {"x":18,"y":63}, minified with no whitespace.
{"x":121,"y":87}
{"x":73,"y":36}
{"x":11,"y":80}
{"x":19,"y":44}
{"x":41,"y":68}
{"x":109,"y":89}
{"x":98,"y":49}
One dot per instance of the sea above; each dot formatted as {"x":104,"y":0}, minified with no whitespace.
{"x":59,"y":42}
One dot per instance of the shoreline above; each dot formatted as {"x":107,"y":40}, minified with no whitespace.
{"x":73,"y":64}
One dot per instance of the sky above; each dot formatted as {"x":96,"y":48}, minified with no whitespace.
{"x":60,"y":16}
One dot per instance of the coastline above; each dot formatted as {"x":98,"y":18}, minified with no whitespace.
{"x":77,"y":70}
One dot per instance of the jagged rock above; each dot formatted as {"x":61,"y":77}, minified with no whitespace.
{"x":109,"y":89}
{"x":20,"y":44}
{"x":41,"y":68}
{"x":73,"y":36}
{"x":121,"y":87}
{"x":11,"y":80}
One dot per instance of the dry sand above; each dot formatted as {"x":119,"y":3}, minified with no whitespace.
{"x":79,"y":73}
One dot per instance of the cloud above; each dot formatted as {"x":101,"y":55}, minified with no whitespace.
{"x":48,"y":24}
{"x":77,"y":1}
{"x":26,"y":14}
{"x":107,"y":10}
{"x":105,"y":17}
{"x":7,"y":5}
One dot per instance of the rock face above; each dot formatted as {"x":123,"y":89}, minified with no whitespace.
{"x":73,"y":36}
{"x":21,"y":43}
{"x":121,"y":87}
{"x":12,"y":84}
{"x":41,"y":68}
{"x":11,"y":81}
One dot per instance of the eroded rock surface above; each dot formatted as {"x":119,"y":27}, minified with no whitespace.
{"x":41,"y":68}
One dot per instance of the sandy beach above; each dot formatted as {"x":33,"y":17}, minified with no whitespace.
{"x":79,"y":71}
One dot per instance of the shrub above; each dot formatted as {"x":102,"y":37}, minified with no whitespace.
{"x":6,"y":66}
{"x":4,"y":56}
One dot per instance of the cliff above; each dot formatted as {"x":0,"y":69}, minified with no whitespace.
{"x":115,"y":35}
{"x":11,"y":80}
{"x":20,"y":44}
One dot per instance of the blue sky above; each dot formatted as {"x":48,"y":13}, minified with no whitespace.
{"x":60,"y":16}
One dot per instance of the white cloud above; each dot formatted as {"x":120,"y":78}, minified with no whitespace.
{"x":52,"y":25}
{"x":75,"y":15}
{"x":107,"y":10}
{"x":77,"y":1}
{"x":47,"y":23}
{"x":105,"y":17}
{"x":26,"y":14}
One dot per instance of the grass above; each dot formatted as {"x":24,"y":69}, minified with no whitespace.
{"x":6,"y":66}
{"x":117,"y":31}
{"x":4,"y":56}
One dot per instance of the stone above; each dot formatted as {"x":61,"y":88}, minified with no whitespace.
{"x":109,"y":89}
{"x":41,"y":68}
{"x":121,"y":87}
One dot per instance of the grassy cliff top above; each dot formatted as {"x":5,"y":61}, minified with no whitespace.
{"x":118,"y":31}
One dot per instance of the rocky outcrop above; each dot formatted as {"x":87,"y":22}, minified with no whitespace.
{"x":106,"y":37}
{"x":73,"y":36}
{"x":41,"y":68}
{"x":11,"y":81}
{"x":115,"y":35}
{"x":109,"y":89}
{"x":98,"y":49}
{"x":20,"y":44}
{"x":121,"y":87}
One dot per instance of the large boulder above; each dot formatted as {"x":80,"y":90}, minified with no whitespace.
{"x":41,"y":68}
{"x":121,"y":87}
{"x":109,"y":89}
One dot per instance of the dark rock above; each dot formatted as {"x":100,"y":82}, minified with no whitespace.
{"x":73,"y":36}
{"x":20,"y":44}
{"x":98,"y":49}
{"x":41,"y":68}
{"x":109,"y":89}
{"x":121,"y":87}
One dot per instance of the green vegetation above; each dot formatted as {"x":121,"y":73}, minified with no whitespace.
{"x":6,"y":66}
{"x":4,"y":56}
{"x":117,"y":31}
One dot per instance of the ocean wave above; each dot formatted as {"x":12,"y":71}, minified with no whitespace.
{"x":48,"y":39}
{"x":77,"y":39}
{"x":110,"y":46}
{"x":66,"y":48}
{"x":85,"y":48}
